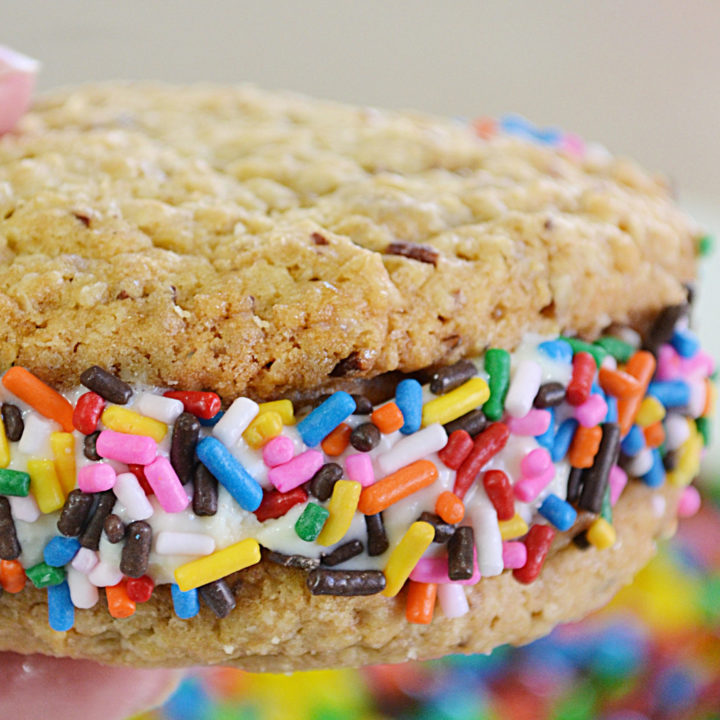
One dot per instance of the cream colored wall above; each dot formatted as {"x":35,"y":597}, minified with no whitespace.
{"x":643,"y":76}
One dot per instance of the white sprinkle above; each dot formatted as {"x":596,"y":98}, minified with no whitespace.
{"x":659,"y":505}
{"x":128,"y":491}
{"x":105,"y":575}
{"x":85,"y":560}
{"x":488,"y":540}
{"x":630,"y":336}
{"x":698,"y":396}
{"x":82,"y":592}
{"x":413,"y":447}
{"x":452,"y":599}
{"x":677,"y":431}
{"x":35,"y":439}
{"x":24,"y":508}
{"x":523,"y":388}
{"x":640,"y":464}
{"x":182,"y":543}
{"x":164,"y":409}
{"x":235,"y":421}
{"x":609,"y":362}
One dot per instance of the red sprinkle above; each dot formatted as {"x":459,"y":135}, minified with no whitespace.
{"x":275,"y":504}
{"x":485,"y":446}
{"x":499,"y":490}
{"x":87,"y":412}
{"x":578,"y":390}
{"x":140,"y":589}
{"x":458,"y":447}
{"x":537,"y":542}
{"x":205,"y":405}
{"x":139,"y":472}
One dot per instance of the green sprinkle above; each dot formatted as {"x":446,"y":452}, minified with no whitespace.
{"x":14,"y":482}
{"x":709,"y":599}
{"x":705,"y":245}
{"x":310,"y":523}
{"x":42,"y":575}
{"x":704,"y":426}
{"x":606,"y":509}
{"x":618,"y":348}
{"x":598,"y":352}
{"x":497,"y":366}
{"x":579,"y":705}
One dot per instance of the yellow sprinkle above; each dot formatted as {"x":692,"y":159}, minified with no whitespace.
{"x":63,"y":447}
{"x":342,"y":506}
{"x":218,"y":565}
{"x":45,"y":485}
{"x":688,"y":465}
{"x":457,"y":402}
{"x":601,"y":534}
{"x":651,"y":411}
{"x":264,"y":427}
{"x":284,"y":408}
{"x":4,"y":447}
{"x":123,"y":420}
{"x":405,"y":556}
{"x":515,"y":527}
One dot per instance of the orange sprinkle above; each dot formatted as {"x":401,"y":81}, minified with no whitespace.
{"x":420,"y":602}
{"x":710,"y":398}
{"x":641,"y":366}
{"x":119,"y":604}
{"x":38,"y":395}
{"x":450,"y":507}
{"x":485,"y":127}
{"x":584,"y":446}
{"x":388,"y":418}
{"x":396,"y":486}
{"x":654,"y":434}
{"x":617,"y":383}
{"x":12,"y":576}
{"x":336,"y":442}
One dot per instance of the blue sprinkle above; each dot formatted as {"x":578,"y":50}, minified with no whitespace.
{"x":595,"y":388}
{"x":408,"y":397}
{"x":189,"y":702}
{"x":546,"y":439}
{"x":676,"y":689}
{"x":548,"y":136}
{"x":325,"y":418}
{"x":558,"y":350}
{"x":560,"y":513}
{"x":671,"y":393}
{"x":612,"y":411}
{"x":61,"y":611}
{"x":633,"y":442}
{"x":214,"y":420}
{"x":563,"y":438}
{"x":517,"y":125}
{"x":60,"y":551}
{"x":186,"y":604}
{"x":230,"y":473}
{"x":655,"y":476}
{"x":686,"y":343}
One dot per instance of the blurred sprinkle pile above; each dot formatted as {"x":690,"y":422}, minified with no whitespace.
{"x":653,"y":654}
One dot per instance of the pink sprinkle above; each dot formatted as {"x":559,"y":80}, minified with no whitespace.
{"x":85,"y":560}
{"x":592,"y":412}
{"x":435,"y":570}
{"x":300,"y":469}
{"x":166,"y":485}
{"x":359,"y":468}
{"x":17,"y":80}
{"x":536,"y":422}
{"x":129,"y":449}
{"x":96,"y":477}
{"x":668,"y":363}
{"x":528,"y":488}
{"x":277,"y":451}
{"x":702,"y":364}
{"x":689,"y":502}
{"x":514,"y":555}
{"x":618,"y":480}
{"x":698,"y":396}
{"x":452,"y":600}
{"x":573,"y":144}
{"x":535,"y":463}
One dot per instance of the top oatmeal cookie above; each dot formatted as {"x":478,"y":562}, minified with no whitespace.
{"x":261,"y":243}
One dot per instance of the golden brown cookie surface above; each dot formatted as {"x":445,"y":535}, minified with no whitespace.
{"x":238,"y":240}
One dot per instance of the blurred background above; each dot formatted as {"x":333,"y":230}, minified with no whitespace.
{"x":642,"y":77}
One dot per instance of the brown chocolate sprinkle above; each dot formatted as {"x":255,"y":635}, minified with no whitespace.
{"x":90,"y":446}
{"x":363,"y":405}
{"x":13,"y":422}
{"x":323,"y":481}
{"x":75,"y":512}
{"x":90,"y":539}
{"x":342,"y":553}
{"x":114,"y":528}
{"x":218,"y":597}
{"x":574,"y":485}
{"x":452,"y":376}
{"x":136,"y":551}
{"x":443,"y":531}
{"x":205,"y":497}
{"x":472,"y":423}
{"x":595,"y":478}
{"x":365,"y":437}
{"x":345,"y":582}
{"x":414,"y":251}
{"x":182,"y":449}
{"x":377,"y":542}
{"x":663,"y":327}
{"x":9,"y":544}
{"x":461,"y":554}
{"x":106,"y":385}
{"x":549,"y":395}
{"x":300,"y":562}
